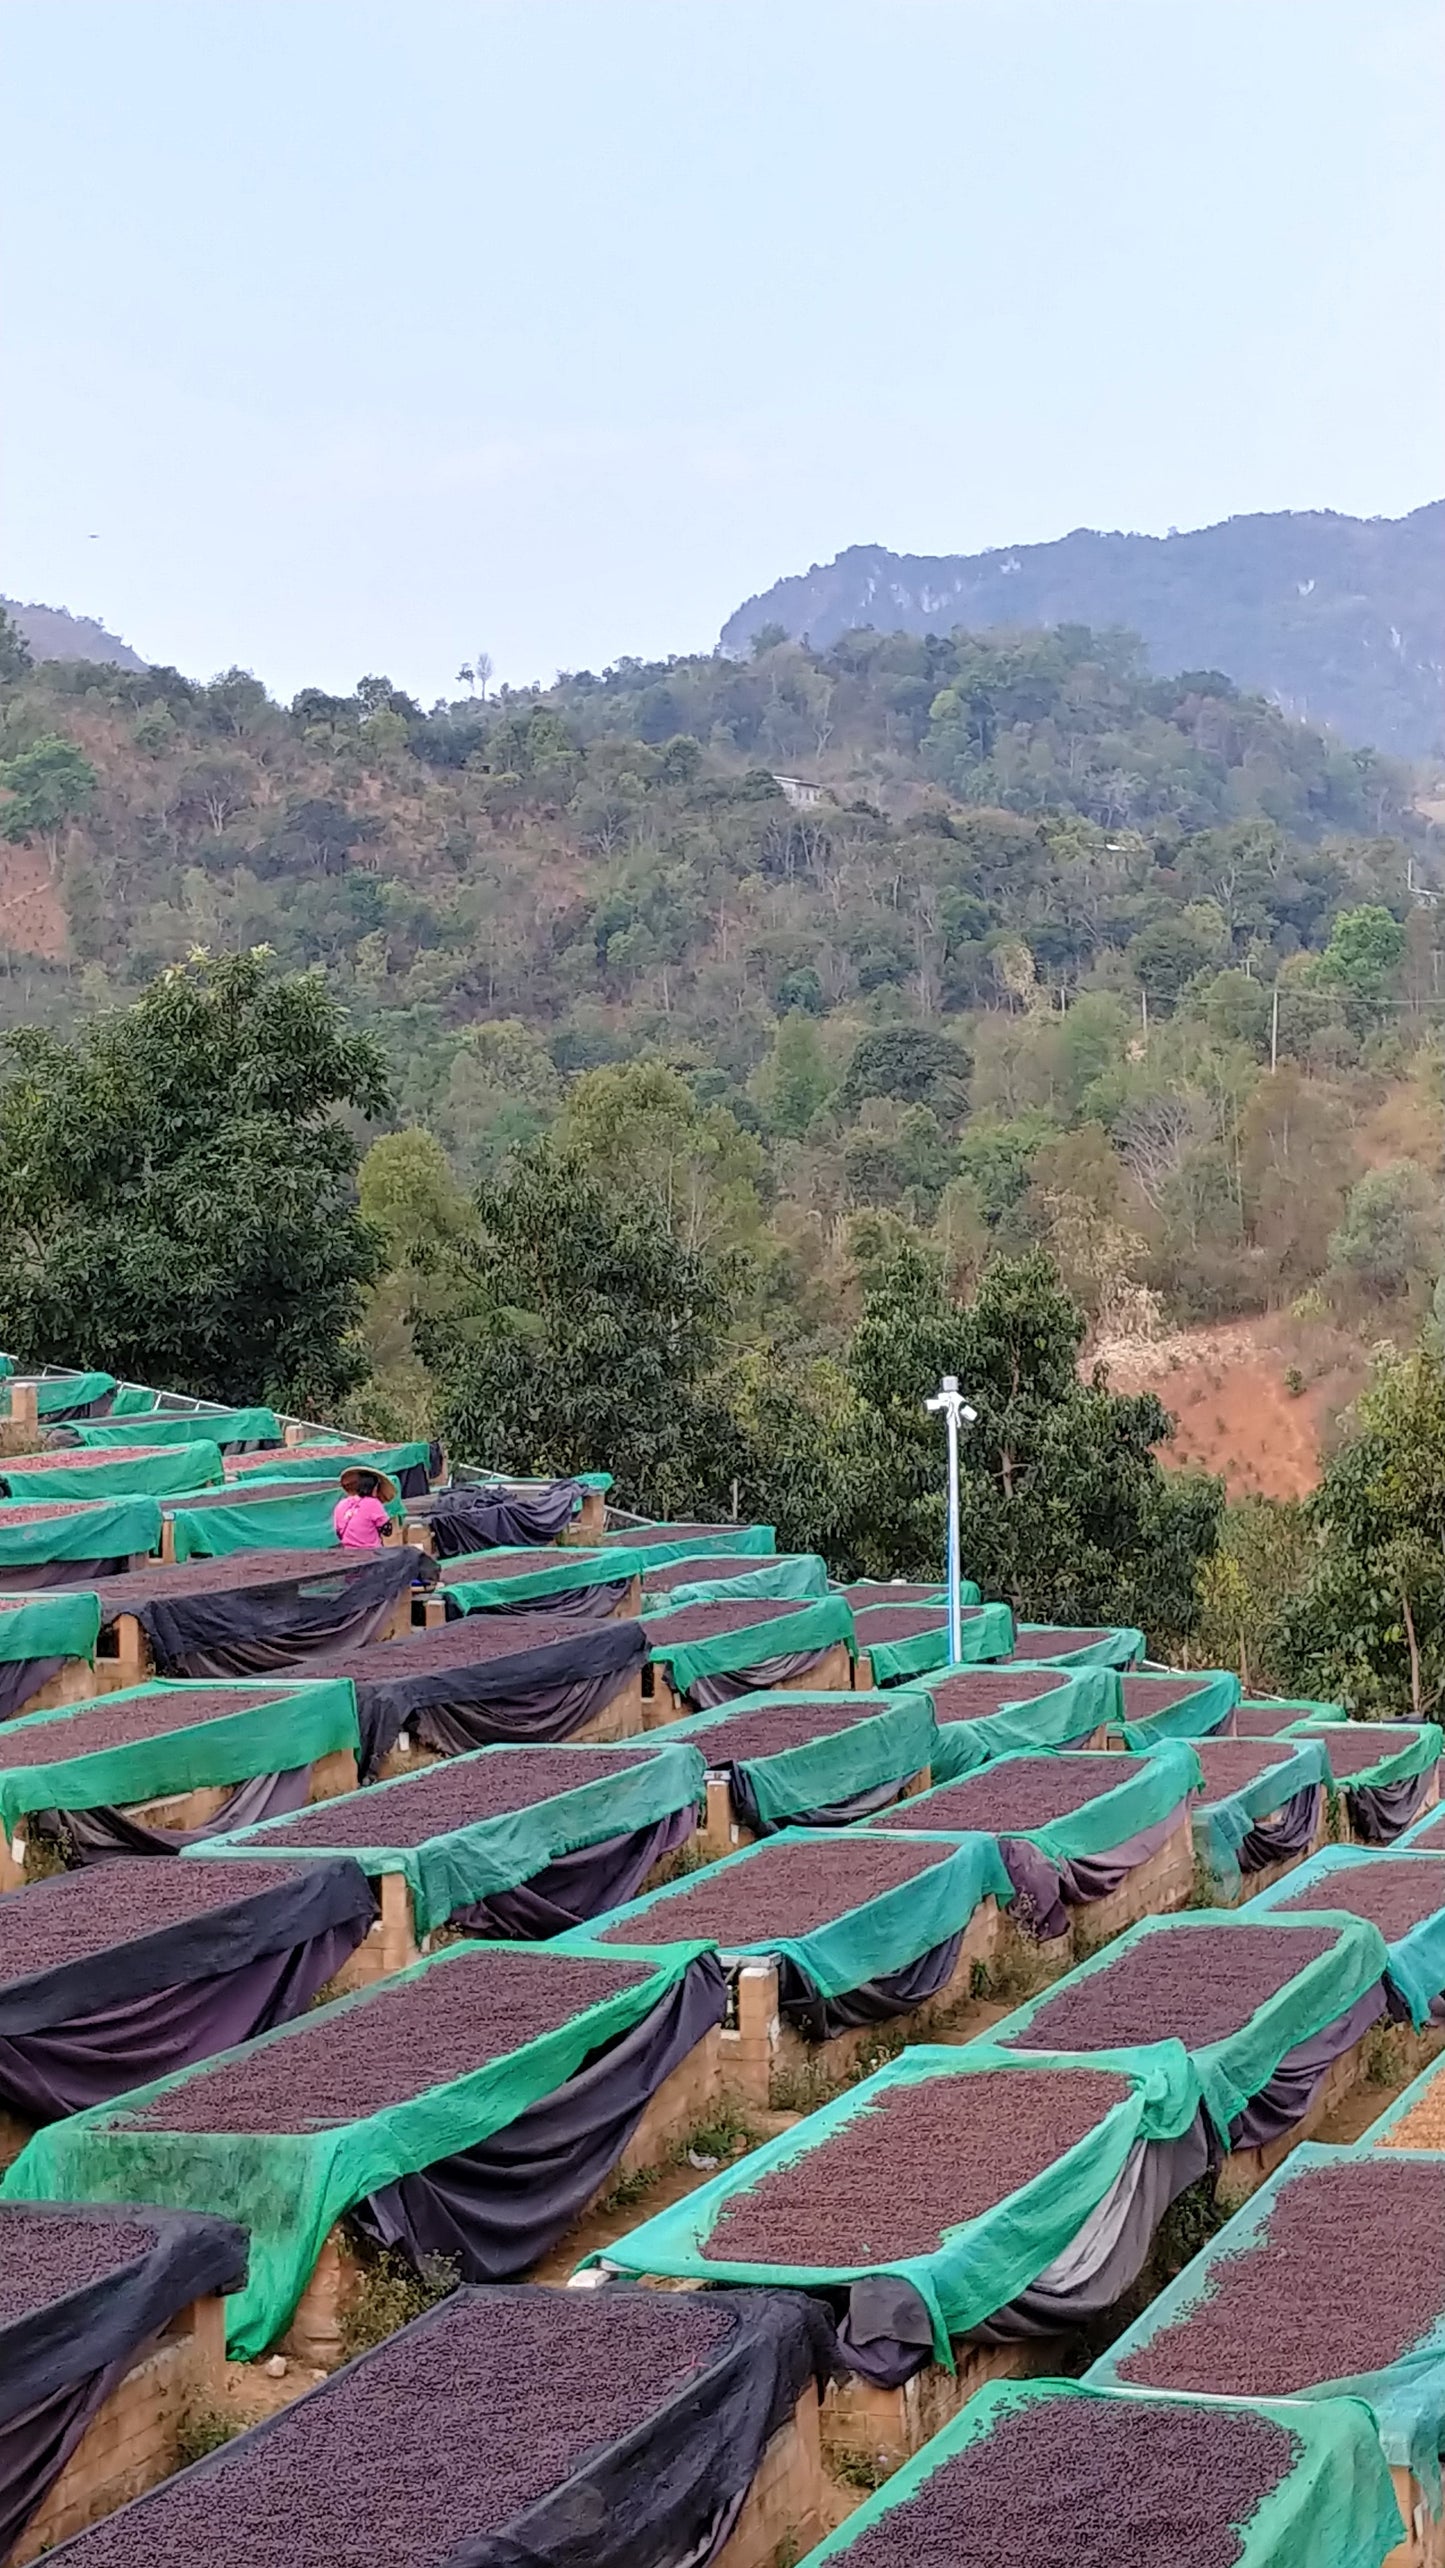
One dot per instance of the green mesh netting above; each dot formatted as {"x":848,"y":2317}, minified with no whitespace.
{"x":810,"y":1626}
{"x":1220,"y":1827}
{"x":1417,"y":1960}
{"x":1234,"y":2069}
{"x":1087,"y":1701}
{"x":111,"y":1529}
{"x":891,"y":1737}
{"x":67,"y":1391}
{"x":1118,"y":1811}
{"x":796,"y":1575}
{"x":1406,"y":2397}
{"x":654,"y":1545}
{"x":513,"y":1587}
{"x":168,"y":1426}
{"x":449,"y":1872}
{"x":988,"y":1633}
{"x":1122,"y":1646}
{"x":303,"y":1523}
{"x":868,"y":1942}
{"x":1300,"y":1704}
{"x":133,"y":1400}
{"x":983,"y":2263}
{"x":284,"y":1465}
{"x":885,"y":1592}
{"x":1405,"y":1750}
{"x":196,"y":1464}
{"x":1194,"y":1717}
{"x":293,"y":1725}
{"x":1335,"y":2508}
{"x":470,"y":1476}
{"x":58,"y":1622}
{"x":288,"y":2188}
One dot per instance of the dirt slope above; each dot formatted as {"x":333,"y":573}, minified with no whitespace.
{"x":1236,"y":1393}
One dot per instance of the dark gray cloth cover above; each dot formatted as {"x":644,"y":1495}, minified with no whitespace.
{"x":23,"y":1578}
{"x":93,"y":1836}
{"x":20,"y":1678}
{"x":88,"y":2030}
{"x":527,"y":1698}
{"x":1379,"y":1811}
{"x":569,"y":1604}
{"x":495,"y":2209}
{"x":583,"y":1884}
{"x":1045,"y":1890}
{"x":707,"y":1692}
{"x":1274,"y":1841}
{"x":258,"y":1628}
{"x":472,"y":1520}
{"x":839,"y":1814}
{"x":876,"y":2001}
{"x":1288,"y":2095}
{"x":60,"y":2363}
{"x":885,"y":2334}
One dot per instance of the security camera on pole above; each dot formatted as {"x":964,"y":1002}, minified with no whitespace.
{"x":956,"y":1410}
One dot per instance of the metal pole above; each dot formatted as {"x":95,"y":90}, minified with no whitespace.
{"x":955,"y":1410}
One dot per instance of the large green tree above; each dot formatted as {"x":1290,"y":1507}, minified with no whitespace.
{"x":177,"y":1190}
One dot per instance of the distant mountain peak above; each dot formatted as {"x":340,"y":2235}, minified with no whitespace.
{"x":53,"y":633}
{"x":1340,"y":620}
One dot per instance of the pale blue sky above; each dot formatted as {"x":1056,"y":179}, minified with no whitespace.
{"x":361,"y":336}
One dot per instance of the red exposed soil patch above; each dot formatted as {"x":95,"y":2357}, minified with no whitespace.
{"x":1236,"y":1414}
{"x":1194,"y":1984}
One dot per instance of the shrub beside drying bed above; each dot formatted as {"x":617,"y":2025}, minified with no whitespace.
{"x":506,"y":1843}
{"x":470,"y":2108}
{"x":1275,"y":2014}
{"x":1330,"y":2283}
{"x":110,"y":2336}
{"x":1059,"y":2476}
{"x":559,"y":2428}
{"x":826,"y":1938}
{"x":1090,"y":1841}
{"x":948,"y":2210}
{"x":136,"y":1772}
{"x":807,"y":1760}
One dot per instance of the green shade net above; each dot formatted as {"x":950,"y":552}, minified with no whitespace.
{"x":1118,"y":1811}
{"x":67,"y":1391}
{"x":1220,"y":1827}
{"x":307,"y":1464}
{"x":218,"y":1426}
{"x":1123,"y":1646}
{"x":513,"y":1587}
{"x":891,"y":1738}
{"x":449,"y":1872}
{"x":1235,"y":2068}
{"x":650,"y":1545}
{"x":111,"y":1529}
{"x":192,"y":1465}
{"x":1085,"y":1702}
{"x":988,"y":1633}
{"x":795,"y":1575}
{"x":1334,"y":2508}
{"x":1417,"y":1960}
{"x":59,"y":1622}
{"x":1404,"y":1750}
{"x":861,"y":1943}
{"x":809,"y":1626}
{"x":302,"y":1523}
{"x":983,"y":2263}
{"x":1195,"y":1716}
{"x":469,"y":1477}
{"x":288,"y":2188}
{"x":134,"y":1400}
{"x":291,"y":1727}
{"x":1315,"y":1714}
{"x":885,"y":1592}
{"x":1406,"y":2396}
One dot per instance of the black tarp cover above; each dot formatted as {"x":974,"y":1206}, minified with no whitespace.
{"x":665,"y":2495}
{"x":272,"y":1608}
{"x":59,"y":2362}
{"x":505,"y":1697}
{"x":473,"y":1520}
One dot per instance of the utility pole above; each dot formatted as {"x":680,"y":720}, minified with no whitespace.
{"x":955,"y":1410}
{"x":1274,"y":1030}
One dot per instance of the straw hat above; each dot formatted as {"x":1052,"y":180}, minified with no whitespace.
{"x":385,"y":1487}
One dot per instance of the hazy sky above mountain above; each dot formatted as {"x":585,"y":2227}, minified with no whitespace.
{"x":344,"y":337}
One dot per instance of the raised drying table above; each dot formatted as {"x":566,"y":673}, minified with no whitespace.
{"x":253,"y":1612}
{"x":700,"y":1656}
{"x":807,"y":1760}
{"x":496,"y":1680}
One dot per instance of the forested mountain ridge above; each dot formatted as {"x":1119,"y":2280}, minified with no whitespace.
{"x":1011,"y":973}
{"x":1339,"y":620}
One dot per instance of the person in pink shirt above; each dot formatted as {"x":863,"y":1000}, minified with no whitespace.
{"x":360,"y":1517}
